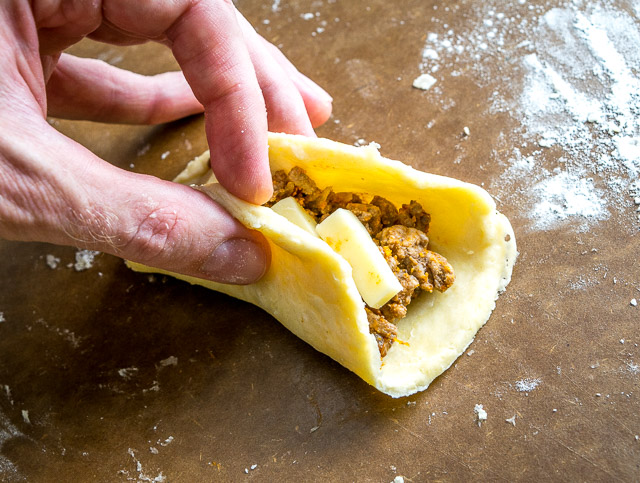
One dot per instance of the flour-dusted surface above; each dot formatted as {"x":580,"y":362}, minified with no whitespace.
{"x":567,"y":74}
{"x":129,"y":378}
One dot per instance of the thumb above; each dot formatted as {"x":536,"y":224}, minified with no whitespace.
{"x":176,"y":228}
{"x":80,"y":200}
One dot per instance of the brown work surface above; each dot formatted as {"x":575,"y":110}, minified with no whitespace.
{"x":111,"y":375}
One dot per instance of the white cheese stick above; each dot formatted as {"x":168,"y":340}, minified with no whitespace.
{"x":292,"y":211}
{"x":349,"y":238}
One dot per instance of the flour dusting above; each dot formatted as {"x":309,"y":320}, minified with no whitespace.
{"x":8,"y":431}
{"x":84,"y":260}
{"x":127,"y":373}
{"x":140,"y":474}
{"x":569,"y":81}
{"x":169,"y":361}
{"x":563,"y":195}
{"x":527,"y":385}
{"x":52,"y":261}
{"x":481,"y":413}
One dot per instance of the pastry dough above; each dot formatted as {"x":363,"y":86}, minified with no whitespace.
{"x":309,"y":287}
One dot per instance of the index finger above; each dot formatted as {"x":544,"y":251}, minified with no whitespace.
{"x":209,"y":46}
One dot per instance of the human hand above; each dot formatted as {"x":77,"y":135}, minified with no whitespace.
{"x":53,"y":189}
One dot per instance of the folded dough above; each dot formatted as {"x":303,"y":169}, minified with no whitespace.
{"x":309,"y":287}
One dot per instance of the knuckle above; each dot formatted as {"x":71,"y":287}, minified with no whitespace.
{"x":80,"y":17}
{"x":160,"y":231}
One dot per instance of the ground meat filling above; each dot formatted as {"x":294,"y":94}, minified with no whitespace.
{"x":401,"y":235}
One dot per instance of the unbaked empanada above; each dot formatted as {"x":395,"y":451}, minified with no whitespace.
{"x":309,"y":287}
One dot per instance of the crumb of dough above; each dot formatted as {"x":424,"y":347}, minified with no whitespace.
{"x":2,"y":319}
{"x":511,"y":420}
{"x":84,"y":259}
{"x":52,"y":261}
{"x":424,"y":82}
{"x":398,"y":479}
{"x":25,"y":416}
{"x":633,"y":302}
{"x":481,"y":414}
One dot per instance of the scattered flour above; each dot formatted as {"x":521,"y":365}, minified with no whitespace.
{"x":141,"y":475}
{"x":569,"y":81}
{"x":84,"y":259}
{"x":155,"y":387}
{"x":52,"y":261}
{"x":127,"y":372}
{"x":144,"y":150}
{"x":66,"y":334}
{"x":360,"y":142}
{"x":166,"y":442}
{"x":8,"y":431}
{"x":511,"y":420}
{"x":527,"y":385}
{"x":70,"y":337}
{"x":2,"y":319}
{"x":481,"y":414}
{"x":7,"y":391}
{"x":169,"y":361}
{"x":563,"y":195}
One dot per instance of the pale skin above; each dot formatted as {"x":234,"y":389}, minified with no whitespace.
{"x":53,"y":189}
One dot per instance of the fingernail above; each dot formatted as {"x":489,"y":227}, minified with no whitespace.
{"x":237,"y":261}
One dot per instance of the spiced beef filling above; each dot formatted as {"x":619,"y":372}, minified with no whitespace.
{"x":401,"y":236}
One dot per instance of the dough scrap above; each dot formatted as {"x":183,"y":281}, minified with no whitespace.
{"x":309,"y":287}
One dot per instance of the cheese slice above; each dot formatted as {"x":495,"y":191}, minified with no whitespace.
{"x":348,"y":237}
{"x":310,"y":289}
{"x":292,"y":211}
